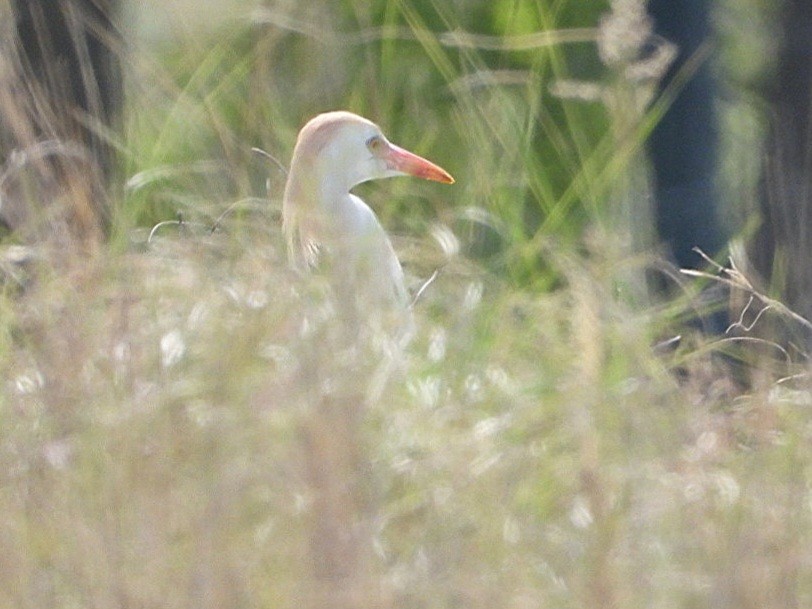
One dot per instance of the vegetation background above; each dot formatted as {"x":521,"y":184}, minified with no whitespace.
{"x":182,"y":427}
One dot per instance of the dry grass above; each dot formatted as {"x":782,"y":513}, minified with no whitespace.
{"x":172,"y":437}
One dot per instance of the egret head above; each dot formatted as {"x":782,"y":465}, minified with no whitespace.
{"x":345,"y":149}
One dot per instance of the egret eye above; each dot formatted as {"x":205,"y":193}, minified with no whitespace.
{"x":375,"y":143}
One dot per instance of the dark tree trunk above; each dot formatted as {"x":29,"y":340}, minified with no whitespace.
{"x":684,"y":145}
{"x":60,"y":99}
{"x":68,"y":53}
{"x":783,"y":250}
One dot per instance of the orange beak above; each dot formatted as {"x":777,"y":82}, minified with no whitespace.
{"x":407,"y":162}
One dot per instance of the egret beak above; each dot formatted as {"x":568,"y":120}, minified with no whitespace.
{"x":409,"y":163}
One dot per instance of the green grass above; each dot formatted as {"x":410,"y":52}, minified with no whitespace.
{"x":170,"y":436}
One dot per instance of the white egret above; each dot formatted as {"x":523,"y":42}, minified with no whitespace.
{"x":324,"y":222}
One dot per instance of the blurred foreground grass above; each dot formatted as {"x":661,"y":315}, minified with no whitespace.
{"x":182,"y":426}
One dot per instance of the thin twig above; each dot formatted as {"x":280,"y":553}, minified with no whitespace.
{"x":230,"y":209}
{"x":271,"y":158}
{"x":666,"y":345}
{"x":734,"y":278}
{"x":792,"y":377}
{"x":180,"y":223}
{"x":740,"y":322}
{"x":159,"y":226}
{"x":423,"y":287}
{"x":753,"y":339}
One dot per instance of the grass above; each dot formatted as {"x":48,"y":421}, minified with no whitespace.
{"x":183,"y":424}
